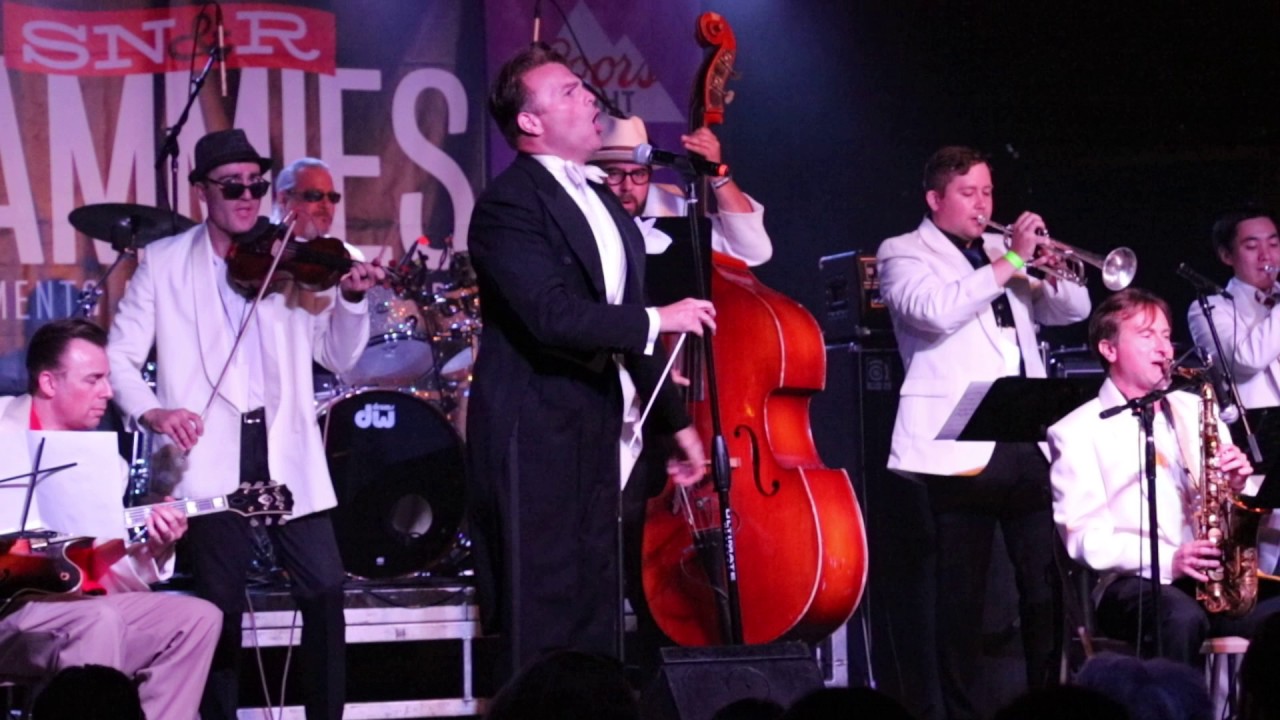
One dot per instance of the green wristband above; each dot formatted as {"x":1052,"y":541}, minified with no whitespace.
{"x":1015,"y":260}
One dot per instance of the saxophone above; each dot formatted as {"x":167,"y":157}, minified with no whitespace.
{"x":1222,"y":518}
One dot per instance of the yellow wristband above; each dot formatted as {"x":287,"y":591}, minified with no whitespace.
{"x":1015,"y":260}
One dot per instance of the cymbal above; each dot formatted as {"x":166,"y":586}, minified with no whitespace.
{"x":123,"y":224}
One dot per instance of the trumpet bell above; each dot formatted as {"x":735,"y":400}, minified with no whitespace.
{"x":1119,"y":268}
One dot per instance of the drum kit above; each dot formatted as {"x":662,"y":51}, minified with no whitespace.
{"x":393,"y":424}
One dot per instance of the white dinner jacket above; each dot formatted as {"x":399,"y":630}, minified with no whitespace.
{"x":1099,"y":493}
{"x":173,"y":301}
{"x":133,"y":571}
{"x":1250,"y":335}
{"x":948,"y":338}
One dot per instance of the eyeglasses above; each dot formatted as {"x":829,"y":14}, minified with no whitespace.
{"x":234,"y":189}
{"x":315,"y":196}
{"x":639,"y":176}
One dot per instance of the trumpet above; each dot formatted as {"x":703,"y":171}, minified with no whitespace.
{"x":1118,"y":267}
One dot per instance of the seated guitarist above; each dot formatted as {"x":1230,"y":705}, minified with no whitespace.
{"x":165,"y":642}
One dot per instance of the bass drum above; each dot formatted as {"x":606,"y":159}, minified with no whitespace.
{"x":397,"y":468}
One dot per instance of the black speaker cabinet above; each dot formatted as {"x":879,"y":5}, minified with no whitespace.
{"x":852,"y":424}
{"x":696,"y":682}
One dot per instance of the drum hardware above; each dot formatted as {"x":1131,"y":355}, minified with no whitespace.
{"x":1118,"y":267}
{"x":422,"y":330}
{"x":127,"y":228}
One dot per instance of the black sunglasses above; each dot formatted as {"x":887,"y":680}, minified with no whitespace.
{"x":234,"y":189}
{"x":613,"y":176}
{"x":314,"y":196}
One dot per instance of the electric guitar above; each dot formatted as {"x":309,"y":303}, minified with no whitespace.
{"x":47,"y":563}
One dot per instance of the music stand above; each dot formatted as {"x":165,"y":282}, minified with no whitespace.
{"x":1020,"y":409}
{"x":1016,"y":409}
{"x":1266,"y":424}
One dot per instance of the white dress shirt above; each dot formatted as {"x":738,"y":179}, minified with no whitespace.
{"x":613,"y":261}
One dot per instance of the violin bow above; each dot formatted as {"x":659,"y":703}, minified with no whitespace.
{"x":666,"y":373}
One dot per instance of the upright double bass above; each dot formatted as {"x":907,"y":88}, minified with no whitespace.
{"x":800,"y":560}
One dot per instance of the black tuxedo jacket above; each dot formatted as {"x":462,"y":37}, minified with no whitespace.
{"x":545,"y":408}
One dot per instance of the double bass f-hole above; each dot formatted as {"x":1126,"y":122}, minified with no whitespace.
{"x":775,"y":484}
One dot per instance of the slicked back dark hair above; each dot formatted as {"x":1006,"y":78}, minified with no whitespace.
{"x":509,"y":95}
{"x":949,"y":162}
{"x":50,"y":341}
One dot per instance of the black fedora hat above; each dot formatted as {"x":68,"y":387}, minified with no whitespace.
{"x":221,"y":148}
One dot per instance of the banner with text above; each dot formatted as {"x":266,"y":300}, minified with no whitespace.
{"x":393,"y":100}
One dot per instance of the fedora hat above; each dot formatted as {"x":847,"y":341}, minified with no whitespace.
{"x":619,"y":139}
{"x":222,"y":148}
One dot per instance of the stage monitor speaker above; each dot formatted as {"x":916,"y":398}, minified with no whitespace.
{"x":694,"y":683}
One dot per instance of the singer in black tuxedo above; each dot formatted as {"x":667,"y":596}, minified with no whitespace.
{"x":565,"y":333}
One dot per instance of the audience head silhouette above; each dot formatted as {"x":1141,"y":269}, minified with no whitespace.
{"x":89,"y":692}
{"x":567,"y":685}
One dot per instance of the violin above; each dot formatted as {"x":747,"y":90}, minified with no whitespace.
{"x":314,"y":265}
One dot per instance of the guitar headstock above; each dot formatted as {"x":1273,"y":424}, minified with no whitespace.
{"x":710,"y":93}
{"x":269,"y":501}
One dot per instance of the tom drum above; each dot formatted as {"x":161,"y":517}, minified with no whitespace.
{"x":400,"y":350}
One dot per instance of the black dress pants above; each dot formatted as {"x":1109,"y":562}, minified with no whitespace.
{"x":1011,"y":493}
{"x":1125,"y":606}
{"x":222,"y":549}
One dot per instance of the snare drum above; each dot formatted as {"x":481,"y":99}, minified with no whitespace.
{"x":397,"y":468}
{"x":399,"y":351}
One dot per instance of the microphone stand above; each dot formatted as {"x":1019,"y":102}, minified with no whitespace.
{"x":1228,"y":374}
{"x":721,"y":472}
{"x":1144,"y":408}
{"x":169,"y":146}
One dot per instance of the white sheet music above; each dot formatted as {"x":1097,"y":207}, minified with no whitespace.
{"x":964,"y":409}
{"x":82,"y":500}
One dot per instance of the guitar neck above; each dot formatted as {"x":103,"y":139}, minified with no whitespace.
{"x":137,"y":516}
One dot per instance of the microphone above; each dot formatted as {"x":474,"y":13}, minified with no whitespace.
{"x":1201,"y":283}
{"x":1228,"y":410}
{"x":646,"y":154}
{"x":537,"y":21}
{"x":222,"y":47}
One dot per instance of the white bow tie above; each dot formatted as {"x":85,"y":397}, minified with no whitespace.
{"x":580,"y":174}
